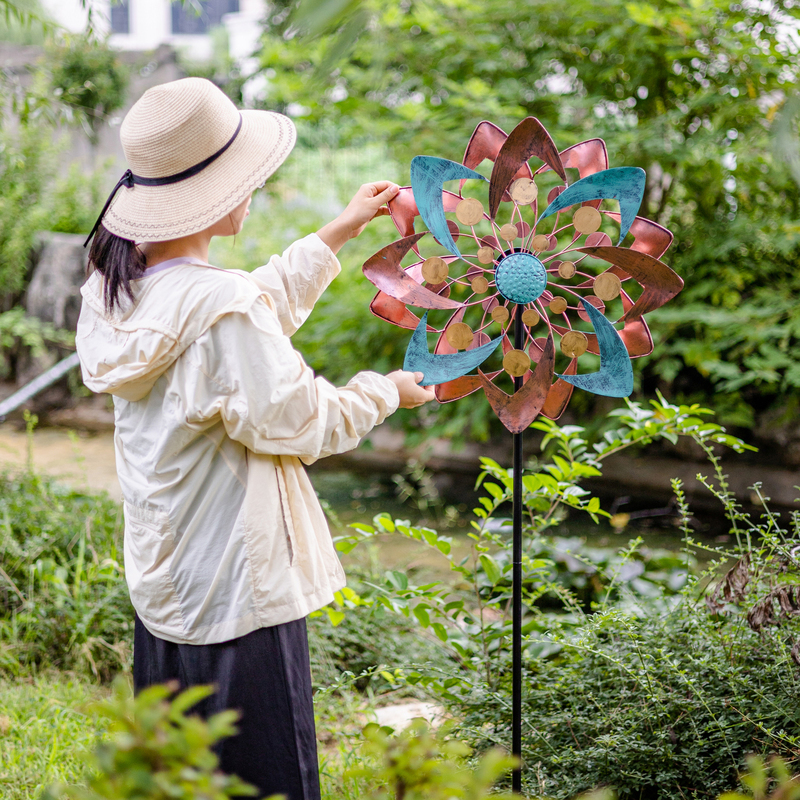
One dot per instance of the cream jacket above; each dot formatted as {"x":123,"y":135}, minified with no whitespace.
{"x":215,"y":411}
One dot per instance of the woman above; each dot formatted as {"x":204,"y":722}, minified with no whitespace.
{"x":226,"y":547}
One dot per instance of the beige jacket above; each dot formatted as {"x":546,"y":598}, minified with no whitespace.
{"x":214,"y":413}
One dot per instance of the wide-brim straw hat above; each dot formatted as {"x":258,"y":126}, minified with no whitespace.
{"x":177,"y":126}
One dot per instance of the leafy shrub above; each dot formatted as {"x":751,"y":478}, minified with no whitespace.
{"x":88,"y":76}
{"x":421,"y":764}
{"x":63,"y":598}
{"x":155,"y":750}
{"x":26,"y":168}
{"x":360,"y":645}
{"x":647,"y":690}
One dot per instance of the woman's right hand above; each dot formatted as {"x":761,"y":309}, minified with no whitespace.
{"x":411,"y":395}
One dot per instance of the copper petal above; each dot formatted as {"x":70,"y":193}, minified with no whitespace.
{"x":485,"y":142}
{"x":560,"y":393}
{"x":587,"y":157}
{"x":403,"y":208}
{"x":660,"y":283}
{"x":519,"y":410}
{"x":384,"y":270}
{"x":635,"y":334}
{"x":460,"y":387}
{"x":528,"y":139}
{"x":393,"y":311}
{"x":649,"y":237}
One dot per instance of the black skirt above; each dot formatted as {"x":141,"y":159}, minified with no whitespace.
{"x":266,"y":676}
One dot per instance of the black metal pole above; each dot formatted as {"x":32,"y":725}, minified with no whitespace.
{"x":516,"y":587}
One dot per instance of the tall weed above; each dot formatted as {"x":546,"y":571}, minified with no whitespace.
{"x":63,"y":599}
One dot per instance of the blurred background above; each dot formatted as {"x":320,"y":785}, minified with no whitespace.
{"x":701,"y":95}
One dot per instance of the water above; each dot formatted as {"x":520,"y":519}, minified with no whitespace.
{"x":359,"y":498}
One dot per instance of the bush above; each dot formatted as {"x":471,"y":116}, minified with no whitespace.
{"x":155,"y":751}
{"x":88,"y":77}
{"x":650,"y":691}
{"x":63,"y":598}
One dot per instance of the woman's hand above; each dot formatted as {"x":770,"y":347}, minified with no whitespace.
{"x":367,"y":203}
{"x":411,"y":395}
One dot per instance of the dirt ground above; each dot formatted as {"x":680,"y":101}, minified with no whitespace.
{"x":81,"y":460}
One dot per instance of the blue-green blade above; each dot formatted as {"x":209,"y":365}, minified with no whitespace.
{"x":440,"y":368}
{"x":428,"y":175}
{"x":624,"y":184}
{"x":615,"y":378}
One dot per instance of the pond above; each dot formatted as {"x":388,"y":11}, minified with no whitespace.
{"x":353,"y":497}
{"x":87,"y":462}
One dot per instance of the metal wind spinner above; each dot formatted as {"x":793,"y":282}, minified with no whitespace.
{"x":557,"y":274}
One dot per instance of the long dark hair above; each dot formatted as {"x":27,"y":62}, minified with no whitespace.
{"x":119,"y":261}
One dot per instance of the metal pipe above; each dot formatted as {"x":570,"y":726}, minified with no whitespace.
{"x":38,"y":384}
{"x":516,"y":590}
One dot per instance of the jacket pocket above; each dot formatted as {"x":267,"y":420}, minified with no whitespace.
{"x":286,"y":514}
{"x":149,"y":546}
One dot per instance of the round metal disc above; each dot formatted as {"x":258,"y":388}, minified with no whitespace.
{"x":530,"y":317}
{"x":516,"y":363}
{"x":558,"y":305}
{"x":480,"y":284}
{"x":520,"y":277}
{"x":523,"y":191}
{"x":500,"y":314}
{"x":469,"y":211}
{"x":594,"y":300}
{"x":586,"y":219}
{"x":607,"y":286}
{"x":459,"y":334}
{"x":540,"y":243}
{"x":485,"y":255}
{"x":574,"y":344}
{"x":434,"y":270}
{"x":566,"y":269}
{"x":509,"y":232}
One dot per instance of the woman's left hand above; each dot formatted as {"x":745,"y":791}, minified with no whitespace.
{"x":367,"y":203}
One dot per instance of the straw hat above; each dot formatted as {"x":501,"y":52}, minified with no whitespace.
{"x":176,"y":127}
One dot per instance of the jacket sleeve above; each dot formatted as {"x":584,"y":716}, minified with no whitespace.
{"x":296,"y":279}
{"x":245,"y":369}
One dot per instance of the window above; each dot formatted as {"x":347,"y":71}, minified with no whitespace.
{"x":186,"y":19}
{"x":120,"y":19}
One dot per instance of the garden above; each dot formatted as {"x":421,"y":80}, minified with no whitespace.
{"x":661,"y":647}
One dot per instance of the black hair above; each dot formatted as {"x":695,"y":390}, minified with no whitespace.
{"x":119,"y":261}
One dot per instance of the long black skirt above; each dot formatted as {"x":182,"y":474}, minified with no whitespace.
{"x":266,"y":676}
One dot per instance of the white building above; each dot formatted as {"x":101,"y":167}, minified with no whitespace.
{"x":146,"y":24}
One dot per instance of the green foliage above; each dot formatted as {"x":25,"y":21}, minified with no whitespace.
{"x":421,"y":764}
{"x":351,"y":649}
{"x":26,"y":166}
{"x":689,"y":91}
{"x":75,"y":198}
{"x":156,"y":750}
{"x":19,"y":333}
{"x":773,"y":781}
{"x":63,"y":599}
{"x":638,"y":686}
{"x":45,"y":733}
{"x":88,"y":76}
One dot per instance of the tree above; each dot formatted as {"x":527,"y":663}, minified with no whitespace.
{"x":686,"y":89}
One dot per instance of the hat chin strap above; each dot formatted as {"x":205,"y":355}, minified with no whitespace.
{"x":129,"y":180}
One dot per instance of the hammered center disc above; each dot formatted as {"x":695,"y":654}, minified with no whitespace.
{"x":521,"y":277}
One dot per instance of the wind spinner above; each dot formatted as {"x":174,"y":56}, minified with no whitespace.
{"x":556,"y":276}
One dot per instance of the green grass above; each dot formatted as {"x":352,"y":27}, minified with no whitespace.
{"x":45,"y":732}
